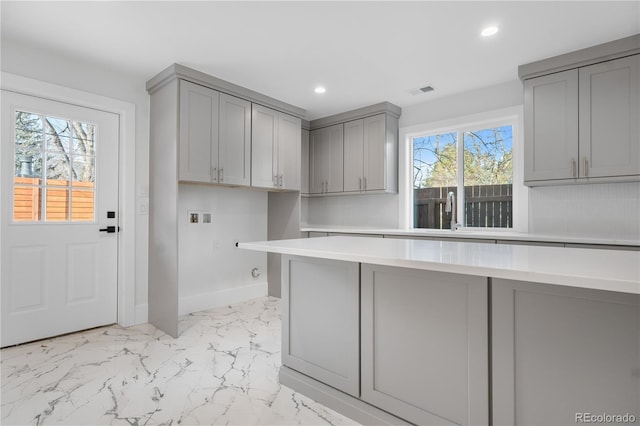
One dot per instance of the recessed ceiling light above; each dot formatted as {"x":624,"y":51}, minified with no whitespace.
{"x":319,"y":89}
{"x":489,"y":31}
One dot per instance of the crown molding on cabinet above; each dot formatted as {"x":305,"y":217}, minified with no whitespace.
{"x":383,"y":107}
{"x":177,"y":71}
{"x":602,"y":52}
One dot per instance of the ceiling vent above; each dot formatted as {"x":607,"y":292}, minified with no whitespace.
{"x":422,"y":90}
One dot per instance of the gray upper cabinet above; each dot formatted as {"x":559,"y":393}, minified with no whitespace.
{"x":289,"y":151}
{"x":367,"y":157}
{"x":582,"y":116}
{"x":234,"y":152}
{"x":353,"y":156}
{"x":326,"y":159}
{"x":275,"y":155}
{"x":365,"y":160}
{"x":215,"y":136}
{"x":424,"y":345}
{"x":304,"y":166}
{"x":198,"y":151}
{"x":264,"y":128}
{"x":551,"y":126}
{"x":378,"y":154}
{"x":610,"y":118}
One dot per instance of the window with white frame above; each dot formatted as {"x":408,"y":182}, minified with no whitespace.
{"x":474,"y":163}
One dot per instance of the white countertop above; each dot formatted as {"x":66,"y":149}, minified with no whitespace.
{"x":487,"y":235}
{"x":612,"y":270}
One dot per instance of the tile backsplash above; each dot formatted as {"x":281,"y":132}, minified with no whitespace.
{"x":609,"y":210}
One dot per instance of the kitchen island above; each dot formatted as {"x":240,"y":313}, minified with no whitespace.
{"x":389,"y":331}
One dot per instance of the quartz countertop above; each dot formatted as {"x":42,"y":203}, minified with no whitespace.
{"x":486,"y":235}
{"x":613,"y":270}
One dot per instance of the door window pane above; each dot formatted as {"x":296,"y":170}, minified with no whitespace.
{"x":488,"y":178}
{"x":82,"y":205}
{"x":62,"y":149}
{"x":57,"y":204}
{"x":434,"y":175}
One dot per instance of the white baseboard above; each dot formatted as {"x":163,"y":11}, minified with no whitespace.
{"x":216,"y":299}
{"x":141,"y":314}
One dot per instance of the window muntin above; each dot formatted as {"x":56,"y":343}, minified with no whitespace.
{"x":54,"y":178}
{"x":479,"y":172}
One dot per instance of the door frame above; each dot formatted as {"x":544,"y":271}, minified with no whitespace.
{"x":126,"y":157}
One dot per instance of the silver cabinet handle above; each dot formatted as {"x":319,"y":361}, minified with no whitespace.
{"x":274,"y":180}
{"x":221,"y":175}
{"x":281,"y":179}
{"x":573,"y":167}
{"x":214,"y":174}
{"x":360,"y":184}
{"x":365,"y":183}
{"x":585,"y":164}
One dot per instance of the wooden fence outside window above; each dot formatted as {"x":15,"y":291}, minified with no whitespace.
{"x":488,"y":206}
{"x":61,"y":201}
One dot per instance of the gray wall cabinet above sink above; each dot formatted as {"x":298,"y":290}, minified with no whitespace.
{"x":582,"y":120}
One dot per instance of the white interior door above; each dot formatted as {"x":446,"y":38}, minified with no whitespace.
{"x":59,"y":218}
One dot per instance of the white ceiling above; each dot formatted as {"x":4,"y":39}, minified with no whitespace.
{"x":363,"y":52}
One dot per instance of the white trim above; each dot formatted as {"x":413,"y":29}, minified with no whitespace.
{"x":520,"y":192}
{"x":126,"y":191}
{"x":216,"y":299}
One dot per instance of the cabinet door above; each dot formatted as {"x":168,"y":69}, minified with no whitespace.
{"x":375,"y":146}
{"x":320,"y":324}
{"x":424,"y":354}
{"x":334,"y":168}
{"x":264,"y":143}
{"x":304,"y":166}
{"x":198,"y":133}
{"x":234,"y":163}
{"x":327,"y":157}
{"x":289,"y":146}
{"x":551,"y":126}
{"x":353,"y":156}
{"x":559,"y":351}
{"x":610,"y":118}
{"x":319,"y":155}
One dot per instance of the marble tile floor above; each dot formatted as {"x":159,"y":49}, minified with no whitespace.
{"x":222,"y":370}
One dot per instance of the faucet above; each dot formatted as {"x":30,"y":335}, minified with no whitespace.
{"x":450,"y":207}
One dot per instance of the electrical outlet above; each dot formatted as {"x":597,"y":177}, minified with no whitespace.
{"x":194,"y":217}
{"x":206,"y":217}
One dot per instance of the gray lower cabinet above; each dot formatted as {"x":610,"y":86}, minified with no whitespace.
{"x":424,"y":340}
{"x":320,"y":320}
{"x":558,"y":352}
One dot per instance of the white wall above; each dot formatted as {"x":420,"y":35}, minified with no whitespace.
{"x":378,"y":211}
{"x":21,"y":59}
{"x":212,"y":270}
{"x":485,"y":99}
